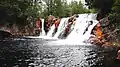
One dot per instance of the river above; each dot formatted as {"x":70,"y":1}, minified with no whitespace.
{"x":26,"y":52}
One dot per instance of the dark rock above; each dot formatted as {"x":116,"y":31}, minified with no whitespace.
{"x":4,"y":34}
{"x":104,"y":22}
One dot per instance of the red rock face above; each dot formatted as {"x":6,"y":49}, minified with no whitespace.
{"x":99,"y":37}
{"x":99,"y":33}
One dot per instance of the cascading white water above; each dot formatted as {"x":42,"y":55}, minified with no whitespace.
{"x":81,"y":25}
{"x":77,"y":30}
{"x":42,"y":33}
{"x":51,"y":31}
{"x":61,"y":27}
{"x":76,"y":35}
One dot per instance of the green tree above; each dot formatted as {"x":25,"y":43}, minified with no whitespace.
{"x":104,"y":6}
{"x":77,"y":8}
{"x":17,"y":11}
{"x":53,"y":7}
{"x":60,"y":8}
{"x":115,"y":16}
{"x":49,"y":7}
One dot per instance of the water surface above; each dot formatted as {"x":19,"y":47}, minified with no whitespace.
{"x":22,"y":52}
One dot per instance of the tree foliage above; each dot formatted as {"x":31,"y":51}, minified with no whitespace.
{"x":77,"y":7}
{"x":104,"y":6}
{"x":17,"y":11}
{"x":20,"y":11}
{"x":115,"y":16}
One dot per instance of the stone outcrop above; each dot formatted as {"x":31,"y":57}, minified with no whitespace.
{"x":108,"y":32}
{"x":4,"y":34}
{"x":108,"y":29}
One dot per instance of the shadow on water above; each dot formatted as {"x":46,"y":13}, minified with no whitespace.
{"x":21,"y":52}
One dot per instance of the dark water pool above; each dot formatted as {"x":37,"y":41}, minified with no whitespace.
{"x":22,"y":52}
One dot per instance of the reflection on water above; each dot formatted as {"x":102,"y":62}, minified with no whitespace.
{"x":35,"y":53}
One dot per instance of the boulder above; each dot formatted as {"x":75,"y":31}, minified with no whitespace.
{"x":118,"y":55}
{"x":4,"y":34}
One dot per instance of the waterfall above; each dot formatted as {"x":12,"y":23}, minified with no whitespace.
{"x":78,"y":30}
{"x":61,"y":27}
{"x":81,"y":25}
{"x":51,"y":31}
{"x":42,"y":33}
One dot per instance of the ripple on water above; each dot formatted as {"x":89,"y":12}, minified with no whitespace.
{"x":33,"y":53}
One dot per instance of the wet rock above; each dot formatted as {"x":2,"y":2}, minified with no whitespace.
{"x":104,"y":22}
{"x":118,"y":55}
{"x":4,"y":34}
{"x":108,"y":29}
